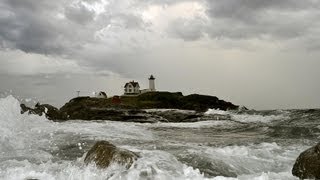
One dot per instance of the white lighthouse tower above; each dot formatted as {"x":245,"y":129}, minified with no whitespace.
{"x":152,"y":86}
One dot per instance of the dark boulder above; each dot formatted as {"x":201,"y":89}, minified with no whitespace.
{"x":307,"y":165}
{"x":104,"y":153}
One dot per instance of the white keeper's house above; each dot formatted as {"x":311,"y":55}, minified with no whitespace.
{"x":133,"y":88}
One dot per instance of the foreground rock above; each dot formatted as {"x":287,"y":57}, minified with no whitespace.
{"x":307,"y":165}
{"x":104,"y":153}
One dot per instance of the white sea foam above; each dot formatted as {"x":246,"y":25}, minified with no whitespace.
{"x":248,"y":161}
{"x":199,"y":124}
{"x":106,"y":130}
{"x":166,"y":110}
{"x":257,"y":118}
{"x":216,"y":112}
{"x":20,"y":135}
{"x":248,"y":118}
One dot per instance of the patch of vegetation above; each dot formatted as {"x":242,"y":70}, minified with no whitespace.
{"x":166,"y":100}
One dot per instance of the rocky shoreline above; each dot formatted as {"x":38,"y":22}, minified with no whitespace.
{"x":189,"y":108}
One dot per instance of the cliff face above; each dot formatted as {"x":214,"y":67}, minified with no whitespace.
{"x":130,"y":108}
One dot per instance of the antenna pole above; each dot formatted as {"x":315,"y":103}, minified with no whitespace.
{"x":78,"y":93}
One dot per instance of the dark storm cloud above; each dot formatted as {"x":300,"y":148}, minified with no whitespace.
{"x":252,"y":19}
{"x":31,"y":5}
{"x":34,"y":26}
{"x":30,"y":36}
{"x":80,"y":14}
{"x":245,"y":10}
{"x":28,"y":26}
{"x":238,"y":19}
{"x":56,"y":27}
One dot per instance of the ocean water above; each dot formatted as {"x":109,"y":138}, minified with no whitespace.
{"x":253,"y":145}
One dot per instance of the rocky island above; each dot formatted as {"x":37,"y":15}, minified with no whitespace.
{"x":134,"y":108}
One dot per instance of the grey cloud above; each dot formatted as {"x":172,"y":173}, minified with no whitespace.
{"x":34,"y":26}
{"x":269,"y":20}
{"x":32,"y":6}
{"x":238,"y":19}
{"x":186,"y":29}
{"x":265,"y":28}
{"x":131,"y":21}
{"x":123,"y":20}
{"x":80,"y":14}
{"x":27,"y":27}
{"x":247,"y":9}
{"x":160,"y":2}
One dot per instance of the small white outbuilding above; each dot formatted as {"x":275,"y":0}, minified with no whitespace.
{"x":101,"y":94}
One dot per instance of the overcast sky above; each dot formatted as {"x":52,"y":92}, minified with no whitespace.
{"x":263,"y":54}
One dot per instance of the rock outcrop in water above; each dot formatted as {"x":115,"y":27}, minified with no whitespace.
{"x":307,"y":165}
{"x":104,"y":153}
{"x":131,"y":108}
{"x":49,"y":111}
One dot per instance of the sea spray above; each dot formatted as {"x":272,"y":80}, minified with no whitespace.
{"x":248,"y":118}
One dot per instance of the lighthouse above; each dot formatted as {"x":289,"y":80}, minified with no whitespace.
{"x":152,"y":86}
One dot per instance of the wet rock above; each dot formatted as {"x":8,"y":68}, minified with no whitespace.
{"x":104,"y":153}
{"x":171,"y":100}
{"x":24,"y":108}
{"x":307,"y":165}
{"x":207,"y":166}
{"x":142,"y":118}
{"x":49,"y":111}
{"x":175,"y":115}
{"x":204,"y":102}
